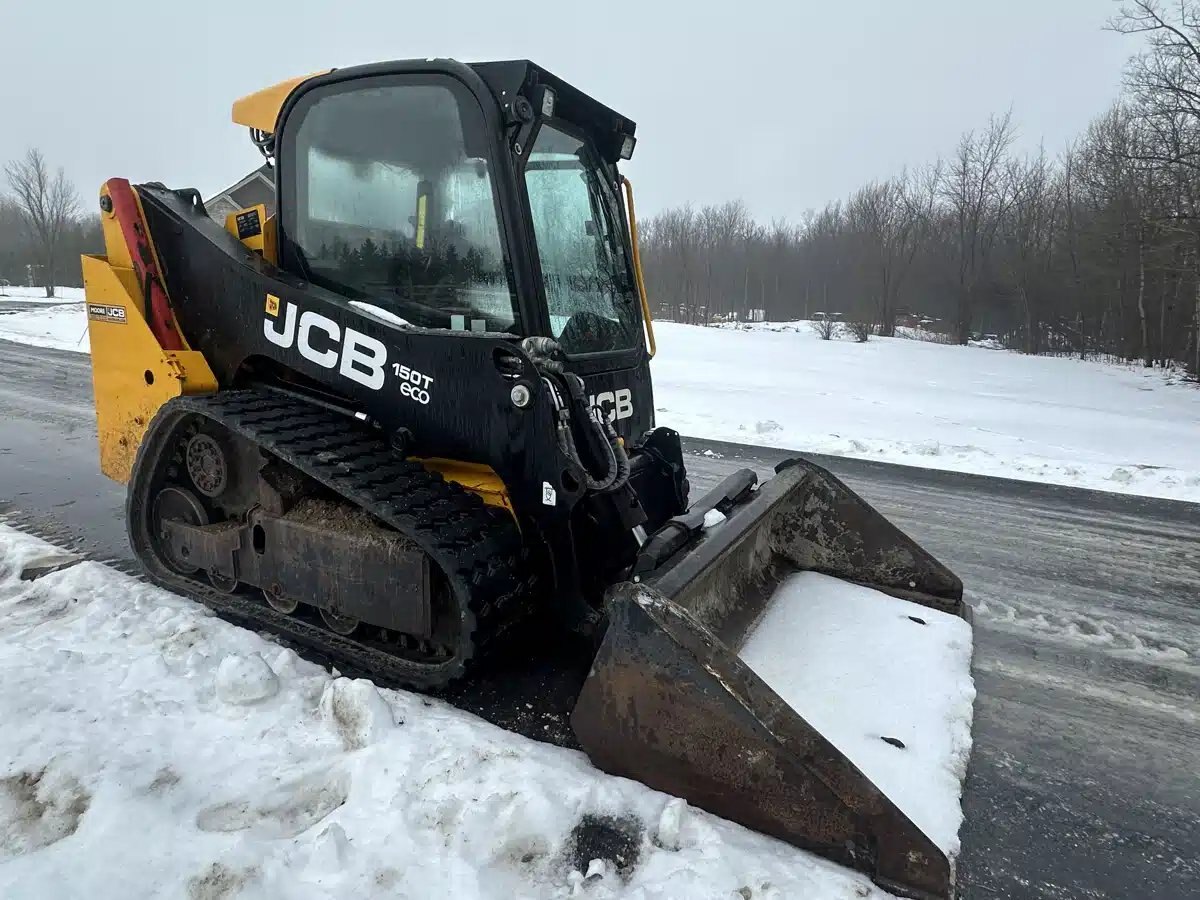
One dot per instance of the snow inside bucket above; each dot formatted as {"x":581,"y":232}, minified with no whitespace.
{"x":887,"y":681}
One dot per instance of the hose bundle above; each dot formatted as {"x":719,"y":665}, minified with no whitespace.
{"x":574,"y":411}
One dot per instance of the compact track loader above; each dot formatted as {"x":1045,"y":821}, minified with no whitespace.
{"x":409,"y":412}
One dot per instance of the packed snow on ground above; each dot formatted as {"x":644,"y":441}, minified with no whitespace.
{"x":861,"y":666}
{"x":151,"y":749}
{"x":966,"y":409}
{"x":29,"y":316}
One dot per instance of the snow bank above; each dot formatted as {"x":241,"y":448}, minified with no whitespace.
{"x":965,"y":409}
{"x":885,"y":680}
{"x":146,"y":751}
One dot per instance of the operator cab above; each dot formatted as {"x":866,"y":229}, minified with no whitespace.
{"x":478,"y":198}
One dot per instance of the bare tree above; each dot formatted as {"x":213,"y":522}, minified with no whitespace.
{"x":1164,"y":81}
{"x":49,"y":206}
{"x":673,"y":251}
{"x":828,"y":259}
{"x":1164,"y":84}
{"x":782,"y":238}
{"x":892,"y":218}
{"x":1071,"y":241}
{"x":860,"y":331}
{"x":825,"y":327}
{"x":974,"y":188}
{"x":878,"y":215}
{"x":1029,"y":235}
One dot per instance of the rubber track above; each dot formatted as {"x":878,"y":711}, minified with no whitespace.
{"x":478,"y":548}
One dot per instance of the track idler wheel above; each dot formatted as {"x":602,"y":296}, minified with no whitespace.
{"x":226,"y":584}
{"x":343,"y":625}
{"x":206,"y":464}
{"x":178,"y":504}
{"x":278,"y":601}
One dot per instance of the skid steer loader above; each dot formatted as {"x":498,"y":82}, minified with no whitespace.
{"x":410,"y":410}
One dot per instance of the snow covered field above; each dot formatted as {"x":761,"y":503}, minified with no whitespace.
{"x":151,"y":749}
{"x":21,"y":294}
{"x":964,"y":409}
{"x":57,"y":322}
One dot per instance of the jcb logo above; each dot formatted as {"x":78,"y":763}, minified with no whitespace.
{"x":355,"y":355}
{"x":615,"y":405}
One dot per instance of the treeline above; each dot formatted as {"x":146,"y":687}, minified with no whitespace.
{"x":1095,"y":250}
{"x":42,"y":230}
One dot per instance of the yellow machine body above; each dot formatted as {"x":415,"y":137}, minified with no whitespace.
{"x":131,"y":374}
{"x":260,"y":110}
{"x":475,"y":477}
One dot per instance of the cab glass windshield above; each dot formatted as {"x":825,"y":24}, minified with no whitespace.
{"x":394,"y":203}
{"x":589,"y":288}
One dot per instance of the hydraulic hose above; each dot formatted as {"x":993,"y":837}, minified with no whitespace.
{"x":574,"y":411}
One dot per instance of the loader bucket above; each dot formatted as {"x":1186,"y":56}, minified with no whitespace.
{"x":668,"y":701}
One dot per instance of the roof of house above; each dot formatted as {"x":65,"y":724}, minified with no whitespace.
{"x":256,"y":187}
{"x":265,"y":171}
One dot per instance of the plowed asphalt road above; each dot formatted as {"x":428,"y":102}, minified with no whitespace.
{"x":1085,"y":776}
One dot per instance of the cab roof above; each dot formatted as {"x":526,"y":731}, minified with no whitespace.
{"x":505,"y":79}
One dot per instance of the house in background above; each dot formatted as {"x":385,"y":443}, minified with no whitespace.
{"x":257,"y":187}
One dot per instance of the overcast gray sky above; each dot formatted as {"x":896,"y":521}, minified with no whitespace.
{"x":784,"y":104}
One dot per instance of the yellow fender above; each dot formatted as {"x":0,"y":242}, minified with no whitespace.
{"x":132,"y":375}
